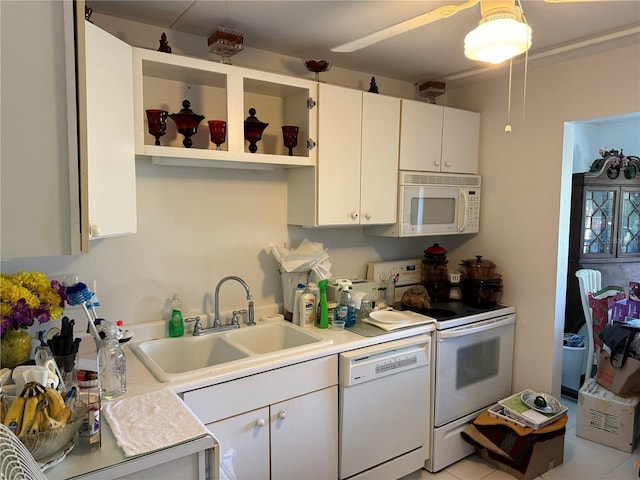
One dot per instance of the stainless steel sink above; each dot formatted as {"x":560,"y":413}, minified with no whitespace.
{"x":172,"y":359}
{"x":273,"y":337}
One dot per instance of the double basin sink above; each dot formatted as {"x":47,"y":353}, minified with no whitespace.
{"x":172,"y":359}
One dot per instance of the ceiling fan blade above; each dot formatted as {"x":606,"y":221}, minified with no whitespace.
{"x":573,"y":1}
{"x":402,"y":27}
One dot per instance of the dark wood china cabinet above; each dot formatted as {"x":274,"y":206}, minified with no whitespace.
{"x":604,"y":228}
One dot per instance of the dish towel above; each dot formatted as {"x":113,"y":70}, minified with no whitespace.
{"x":151,"y":421}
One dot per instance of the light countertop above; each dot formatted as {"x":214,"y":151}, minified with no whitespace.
{"x":109,"y":459}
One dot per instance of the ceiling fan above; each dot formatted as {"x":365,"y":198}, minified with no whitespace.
{"x":502,"y":33}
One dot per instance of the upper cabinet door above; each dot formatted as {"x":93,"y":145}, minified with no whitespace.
{"x":339,"y":138}
{"x":379,"y":168}
{"x":420,"y":136}
{"x":460,"y":141}
{"x":39,"y":159}
{"x":434,"y":138}
{"x":109,"y":134}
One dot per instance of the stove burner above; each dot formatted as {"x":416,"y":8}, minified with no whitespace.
{"x":440,"y":313}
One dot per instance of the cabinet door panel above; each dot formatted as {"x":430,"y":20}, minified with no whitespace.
{"x":248,"y":435}
{"x":629,"y":233}
{"x":420,"y":136}
{"x":110,"y":141}
{"x":460,"y":141}
{"x":339,"y":126}
{"x":379,"y":169}
{"x":39,"y":164}
{"x":304,"y":444}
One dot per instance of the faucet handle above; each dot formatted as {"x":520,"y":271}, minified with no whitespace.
{"x":197,"y":326}
{"x":234,"y":319}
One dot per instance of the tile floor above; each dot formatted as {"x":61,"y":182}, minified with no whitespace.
{"x":583,"y":460}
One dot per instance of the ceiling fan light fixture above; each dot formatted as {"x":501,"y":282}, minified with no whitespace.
{"x":497,"y":39}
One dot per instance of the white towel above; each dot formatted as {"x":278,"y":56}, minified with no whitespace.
{"x":151,"y":421}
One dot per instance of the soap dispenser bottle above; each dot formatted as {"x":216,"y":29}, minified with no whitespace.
{"x":176,"y":323}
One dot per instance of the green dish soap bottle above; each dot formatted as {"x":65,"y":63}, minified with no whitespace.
{"x":323,"y":314}
{"x":176,"y":323}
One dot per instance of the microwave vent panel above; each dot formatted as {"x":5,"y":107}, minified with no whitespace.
{"x":434,"y":179}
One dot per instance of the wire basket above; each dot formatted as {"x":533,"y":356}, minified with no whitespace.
{"x":43,"y":445}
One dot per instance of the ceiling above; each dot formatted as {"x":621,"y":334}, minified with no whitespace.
{"x":309,"y":29}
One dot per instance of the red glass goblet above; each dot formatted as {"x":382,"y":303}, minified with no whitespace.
{"x":187,"y":122}
{"x":157,"y":120}
{"x":218,"y":131}
{"x":290,"y":137}
{"x":253,"y":129}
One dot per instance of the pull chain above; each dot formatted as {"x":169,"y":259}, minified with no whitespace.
{"x":507,"y":128}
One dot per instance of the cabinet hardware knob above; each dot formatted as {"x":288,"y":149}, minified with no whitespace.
{"x":354,"y":215}
{"x":447,"y":164}
{"x":260,"y":422}
{"x":367,"y":216}
{"x":281,"y":415}
{"x":436,"y":163}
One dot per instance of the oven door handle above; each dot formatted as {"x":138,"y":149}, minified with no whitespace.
{"x":477,"y":327}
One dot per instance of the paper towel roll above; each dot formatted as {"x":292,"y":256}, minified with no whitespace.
{"x":272,"y":317}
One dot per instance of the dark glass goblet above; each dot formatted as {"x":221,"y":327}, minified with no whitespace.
{"x":187,"y":122}
{"x":253,"y":129}
{"x":218,"y":131}
{"x":157,"y":120}
{"x":290,"y":137}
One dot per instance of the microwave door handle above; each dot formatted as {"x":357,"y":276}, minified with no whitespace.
{"x":462,"y":210}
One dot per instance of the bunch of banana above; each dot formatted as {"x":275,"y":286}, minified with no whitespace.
{"x":37,"y":409}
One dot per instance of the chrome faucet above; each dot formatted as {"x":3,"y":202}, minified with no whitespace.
{"x":251,"y":316}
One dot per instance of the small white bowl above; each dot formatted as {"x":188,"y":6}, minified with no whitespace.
{"x":337,"y":325}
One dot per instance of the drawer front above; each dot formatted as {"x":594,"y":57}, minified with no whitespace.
{"x":249,"y":393}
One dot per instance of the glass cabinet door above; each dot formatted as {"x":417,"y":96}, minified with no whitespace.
{"x":629,"y":243}
{"x":598,"y":233}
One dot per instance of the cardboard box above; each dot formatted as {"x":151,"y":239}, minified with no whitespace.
{"x":607,"y":418}
{"x":546,"y":455}
{"x":623,"y":381}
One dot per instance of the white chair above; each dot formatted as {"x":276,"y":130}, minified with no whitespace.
{"x":16,"y":462}
{"x":589,"y":281}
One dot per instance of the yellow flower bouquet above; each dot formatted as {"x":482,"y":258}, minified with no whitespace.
{"x":29,"y":296}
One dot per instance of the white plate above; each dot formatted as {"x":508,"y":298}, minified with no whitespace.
{"x":386,"y":316}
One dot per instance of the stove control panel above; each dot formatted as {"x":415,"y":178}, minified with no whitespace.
{"x":409,"y":272}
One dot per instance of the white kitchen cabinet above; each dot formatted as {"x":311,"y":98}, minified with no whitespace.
{"x":40,"y":213}
{"x":283,"y":423}
{"x":355,"y":182}
{"x":264,"y":439}
{"x":109,"y":143}
{"x":434,"y":138}
{"x":221,"y":92}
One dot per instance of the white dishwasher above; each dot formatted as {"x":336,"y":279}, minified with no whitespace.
{"x":384,"y":398}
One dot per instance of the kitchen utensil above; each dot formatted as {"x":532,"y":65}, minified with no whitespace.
{"x":541,"y":402}
{"x":481,"y":293}
{"x":479,"y":268}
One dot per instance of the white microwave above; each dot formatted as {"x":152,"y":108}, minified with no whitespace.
{"x":434,"y":204}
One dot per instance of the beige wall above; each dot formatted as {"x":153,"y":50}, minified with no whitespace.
{"x":526,"y":188}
